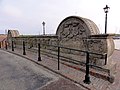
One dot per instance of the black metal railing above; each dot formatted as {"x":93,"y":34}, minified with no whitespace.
{"x":12,"y":45}
{"x":87,"y":78}
{"x":59,"y":51}
{"x":24,"y":52}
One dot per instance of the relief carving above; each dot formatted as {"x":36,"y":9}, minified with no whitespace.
{"x":71,"y":30}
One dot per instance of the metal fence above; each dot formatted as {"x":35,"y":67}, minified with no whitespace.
{"x":59,"y":53}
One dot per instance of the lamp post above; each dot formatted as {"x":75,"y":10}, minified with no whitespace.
{"x":43,"y":27}
{"x":106,"y":11}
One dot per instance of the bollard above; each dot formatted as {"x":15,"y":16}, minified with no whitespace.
{"x":24,"y":53}
{"x":12,"y":45}
{"x":87,"y":78}
{"x":105,"y":58}
{"x":6,"y":45}
{"x":39,"y":56}
{"x":58,"y":58}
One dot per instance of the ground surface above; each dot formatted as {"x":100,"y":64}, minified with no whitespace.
{"x":17,"y":73}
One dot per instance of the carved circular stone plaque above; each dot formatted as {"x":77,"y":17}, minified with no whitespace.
{"x":73,"y":31}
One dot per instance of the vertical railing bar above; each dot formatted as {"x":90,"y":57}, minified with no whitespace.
{"x":105,"y":58}
{"x":24,"y":53}
{"x":87,"y":78}
{"x":39,"y":55}
{"x":12,"y":45}
{"x":6,"y":45}
{"x":58,"y":58}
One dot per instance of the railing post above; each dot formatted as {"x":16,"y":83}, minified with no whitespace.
{"x":39,"y":56}
{"x":105,"y":58}
{"x":12,"y":45}
{"x":58,"y":58}
{"x":87,"y":78}
{"x":24,"y":53}
{"x":6,"y":45}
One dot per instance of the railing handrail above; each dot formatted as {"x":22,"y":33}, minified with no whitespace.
{"x":76,"y":49}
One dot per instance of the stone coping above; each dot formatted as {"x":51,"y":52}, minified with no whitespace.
{"x":101,"y":36}
{"x":37,"y":36}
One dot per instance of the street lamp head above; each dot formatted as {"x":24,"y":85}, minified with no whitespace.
{"x":43,"y":23}
{"x":43,"y":27}
{"x":106,"y":9}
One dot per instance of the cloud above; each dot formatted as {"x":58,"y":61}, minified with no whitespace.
{"x":12,"y":11}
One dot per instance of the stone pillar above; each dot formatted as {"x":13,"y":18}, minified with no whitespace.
{"x":101,"y":44}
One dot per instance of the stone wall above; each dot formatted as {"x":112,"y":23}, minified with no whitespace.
{"x":11,"y":34}
{"x":73,"y":32}
{"x":32,"y":41}
{"x":2,"y":40}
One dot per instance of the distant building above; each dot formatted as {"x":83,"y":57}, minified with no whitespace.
{"x":3,"y":39}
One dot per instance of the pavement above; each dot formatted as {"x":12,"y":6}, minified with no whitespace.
{"x":71,"y":79}
{"x":16,"y":73}
{"x":116,"y":85}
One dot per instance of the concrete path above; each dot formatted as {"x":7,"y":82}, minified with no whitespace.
{"x":17,"y":73}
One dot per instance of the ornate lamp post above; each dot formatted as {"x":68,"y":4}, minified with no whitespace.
{"x":106,"y":11}
{"x":43,"y":28}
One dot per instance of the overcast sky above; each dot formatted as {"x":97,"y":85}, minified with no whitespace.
{"x":27,"y":15}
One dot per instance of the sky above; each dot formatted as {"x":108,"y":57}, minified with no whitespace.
{"x":27,"y":16}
